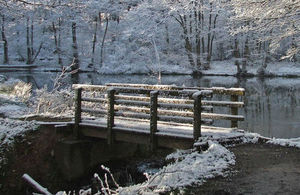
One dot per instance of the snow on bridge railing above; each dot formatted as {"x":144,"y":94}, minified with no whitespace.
{"x":234,"y":104}
{"x":167,"y":104}
{"x":216,"y":90}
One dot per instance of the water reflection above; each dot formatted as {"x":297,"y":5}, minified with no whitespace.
{"x":272,"y":105}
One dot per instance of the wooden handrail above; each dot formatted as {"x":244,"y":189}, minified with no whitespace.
{"x":168,"y":103}
{"x":215,"y":90}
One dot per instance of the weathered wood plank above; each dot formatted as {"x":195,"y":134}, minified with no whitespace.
{"x":86,"y":87}
{"x":216,"y":90}
{"x":153,"y":119}
{"x":97,"y":100}
{"x":110,"y":114}
{"x":132,"y":90}
{"x":132,"y":103}
{"x":223,"y":103}
{"x":94,"y":111}
{"x":234,"y":110}
{"x":176,"y":106}
{"x":176,"y":119}
{"x":146,"y":86}
{"x":182,"y":101}
{"x":77,"y":119}
{"x":216,"y":116}
{"x":228,"y":91}
{"x":132,"y":97}
{"x":132,"y":115}
{"x":197,"y":116}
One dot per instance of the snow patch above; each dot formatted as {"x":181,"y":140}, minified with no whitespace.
{"x":252,"y":137}
{"x":13,"y":111}
{"x":189,"y":168}
{"x":293,"y":142}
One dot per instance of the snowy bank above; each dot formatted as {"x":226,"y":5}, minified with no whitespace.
{"x":293,"y":142}
{"x":227,"y":68}
{"x":217,"y":68}
{"x":189,"y":168}
{"x":9,"y":129}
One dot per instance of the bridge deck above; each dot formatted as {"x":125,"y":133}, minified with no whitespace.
{"x":171,"y":135}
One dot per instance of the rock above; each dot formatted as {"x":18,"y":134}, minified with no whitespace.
{"x":3,"y":78}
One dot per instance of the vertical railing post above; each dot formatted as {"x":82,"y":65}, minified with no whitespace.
{"x":234,"y":111}
{"x":197,"y":115}
{"x":110,"y":114}
{"x":153,"y":119}
{"x":77,"y":112}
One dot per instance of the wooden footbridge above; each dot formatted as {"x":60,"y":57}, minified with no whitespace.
{"x":156,"y":115}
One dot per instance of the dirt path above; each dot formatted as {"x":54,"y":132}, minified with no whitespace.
{"x":259,"y":169}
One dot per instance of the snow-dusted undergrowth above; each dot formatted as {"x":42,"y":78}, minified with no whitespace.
{"x":10,"y":128}
{"x":14,"y":97}
{"x":16,"y":89}
{"x":189,"y":168}
{"x":53,"y":103}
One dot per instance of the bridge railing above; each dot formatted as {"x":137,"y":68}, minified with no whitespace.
{"x":155,"y":103}
{"x":233,"y":99}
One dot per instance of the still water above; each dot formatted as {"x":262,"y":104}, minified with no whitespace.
{"x":272,"y":105}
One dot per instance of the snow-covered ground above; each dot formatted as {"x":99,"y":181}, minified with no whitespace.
{"x":227,"y":68}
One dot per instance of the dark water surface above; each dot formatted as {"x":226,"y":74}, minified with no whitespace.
{"x":272,"y":105}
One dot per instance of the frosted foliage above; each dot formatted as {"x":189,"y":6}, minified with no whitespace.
{"x":22,"y":90}
{"x":136,"y":36}
{"x":17,"y":89}
{"x":275,"y":21}
{"x":57,"y":102}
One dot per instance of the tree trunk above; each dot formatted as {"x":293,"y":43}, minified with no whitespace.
{"x":74,"y":48}
{"x":29,"y":53}
{"x":198,"y":40}
{"x":237,"y":56}
{"x":212,"y":39}
{"x":57,"y":40}
{"x":246,"y":56}
{"x":158,"y":62}
{"x":103,"y":40}
{"x":5,"y":43}
{"x":94,"y":42}
{"x":188,"y":45}
{"x":167,"y":38}
{"x":208,"y":57}
{"x":202,"y":23}
{"x":31,"y":39}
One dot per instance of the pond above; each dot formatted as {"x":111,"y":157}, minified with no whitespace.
{"x":272,"y":105}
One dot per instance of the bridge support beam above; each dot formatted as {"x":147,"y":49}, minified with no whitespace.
{"x":153,"y":119}
{"x":75,"y":157}
{"x":197,"y":115}
{"x":77,"y":112}
{"x":110,"y":114}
